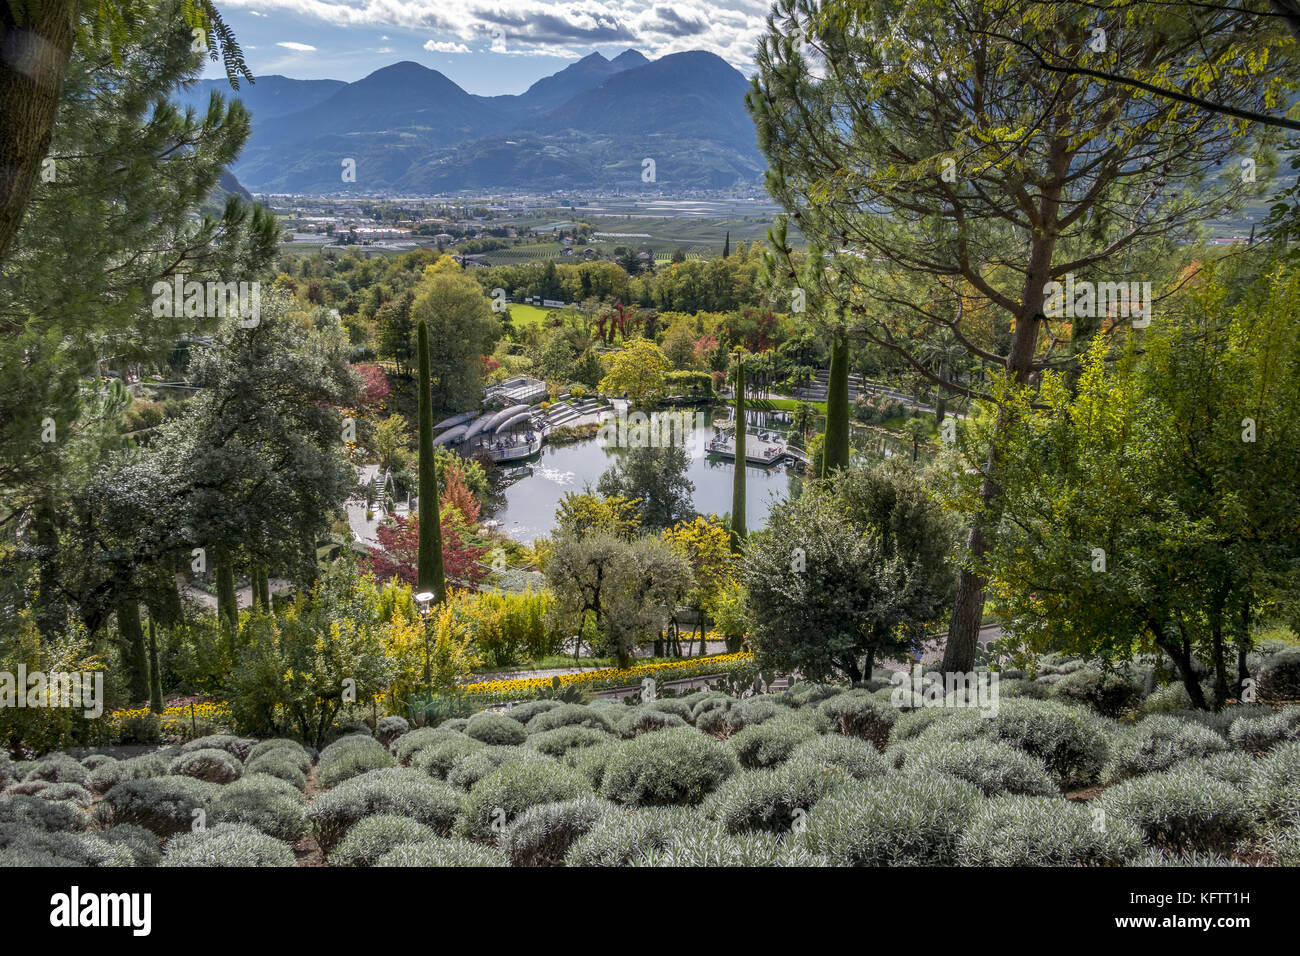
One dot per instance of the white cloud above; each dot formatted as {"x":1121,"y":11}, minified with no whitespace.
{"x":445,"y":46}
{"x":297,"y":47}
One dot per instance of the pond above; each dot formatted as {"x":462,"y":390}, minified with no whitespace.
{"x":526,"y":507}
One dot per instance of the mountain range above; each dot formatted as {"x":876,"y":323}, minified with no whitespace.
{"x":410,"y":129}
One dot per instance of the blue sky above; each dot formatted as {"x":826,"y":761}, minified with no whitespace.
{"x":486,"y":46}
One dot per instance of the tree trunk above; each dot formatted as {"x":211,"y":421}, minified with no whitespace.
{"x":36,"y":54}
{"x":1182,"y":658}
{"x":134,"y":656}
{"x":155,"y":673}
{"x":835,"y":453}
{"x":227,"y":603}
{"x":51,"y":613}
{"x":429,"y":573}
{"x":738,"y":476}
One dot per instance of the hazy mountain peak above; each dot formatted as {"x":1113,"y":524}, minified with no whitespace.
{"x":629,"y":58}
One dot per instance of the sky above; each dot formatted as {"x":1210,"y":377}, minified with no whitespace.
{"x":488,"y":47}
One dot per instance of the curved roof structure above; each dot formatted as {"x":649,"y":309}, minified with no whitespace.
{"x":451,"y":436}
{"x":478,"y":425}
{"x":514,"y":420}
{"x":502,"y":416}
{"x":460,"y":419}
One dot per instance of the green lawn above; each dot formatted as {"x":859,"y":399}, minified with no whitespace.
{"x":525,"y":315}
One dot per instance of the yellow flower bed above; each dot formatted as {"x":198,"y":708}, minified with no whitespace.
{"x":612,"y":674}
{"x":175,"y":720}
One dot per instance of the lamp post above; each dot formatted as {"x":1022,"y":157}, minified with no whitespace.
{"x":424,"y":605}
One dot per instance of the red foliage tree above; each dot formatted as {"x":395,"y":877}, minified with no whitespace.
{"x":456,"y":494}
{"x":399,"y":548}
{"x":374,"y":385}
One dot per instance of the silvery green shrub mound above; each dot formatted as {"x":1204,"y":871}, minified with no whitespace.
{"x":771,"y":742}
{"x":1285,"y":846}
{"x":1154,"y":856}
{"x":991,"y":765}
{"x":523,"y":713}
{"x":72,"y":792}
{"x":561,"y":740}
{"x":495,"y":729}
{"x":27,"y":847}
{"x":1104,"y":691}
{"x":210,"y":764}
{"x":396,"y":791}
{"x":164,"y":805}
{"x":567,"y":714}
{"x":266,"y":803}
{"x":856,"y":713}
{"x":856,"y":757}
{"x":145,"y":847}
{"x":776,"y":800}
{"x":472,"y":767}
{"x":407,"y":745}
{"x":710,"y":700}
{"x":390,"y":728}
{"x":809,"y":693}
{"x":1237,"y":769}
{"x":674,"y":766}
{"x":280,"y":764}
{"x":48,"y":815}
{"x":593,"y":761}
{"x":440,"y":852}
{"x":1181,"y":809}
{"x":57,"y":768}
{"x":750,"y":711}
{"x":1071,"y":742}
{"x":912,"y":723}
{"x":542,"y":835}
{"x":1015,"y":830}
{"x":108,"y":775}
{"x":708,"y":847}
{"x":1260,"y":733}
{"x":623,"y":836}
{"x":1279,"y":675}
{"x":895,"y":820}
{"x":1275,"y":786}
{"x":370,"y":839}
{"x":350,"y":757}
{"x":644,"y":720}
{"x":512,"y":788}
{"x":227,"y":844}
{"x":677,"y":706}
{"x":283,"y":749}
{"x":1158,"y":743}
{"x":437,"y":759}
{"x":238,"y":747}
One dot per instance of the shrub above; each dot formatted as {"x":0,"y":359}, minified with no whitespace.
{"x":350,"y":757}
{"x":1181,"y":809}
{"x":675,"y":706}
{"x":26,"y":847}
{"x":469,"y":769}
{"x":408,"y":745}
{"x":144,"y":847}
{"x":542,"y":835}
{"x":440,"y":852}
{"x":856,"y":713}
{"x":215,"y":766}
{"x":288,"y":749}
{"x":107,"y":775}
{"x":390,"y":728}
{"x":227,"y":844}
{"x":265,"y":803}
{"x":809,"y":693}
{"x":645,"y":720}
{"x":769,"y":743}
{"x":1164,"y":699}
{"x":1237,"y":769}
{"x":894,"y":820}
{"x":395,"y":791}
{"x":495,"y":729}
{"x":1105,"y":691}
{"x":1275,"y":789}
{"x":593,"y":761}
{"x":57,"y":768}
{"x":702,"y":847}
{"x":512,"y":788}
{"x":1258,"y":734}
{"x":910,"y":724}
{"x":372,"y":838}
{"x":711,"y":700}
{"x":1018,"y":687}
{"x":776,"y":800}
{"x":438,"y":759}
{"x":675,"y":766}
{"x":992,"y":766}
{"x":1154,"y":856}
{"x":235,"y":746}
{"x":164,"y":805}
{"x":567,"y":714}
{"x":281,"y":764}
{"x":72,"y":792}
{"x":1018,"y":830}
{"x":558,"y":742}
{"x":621,"y":837}
{"x":1158,"y":743}
{"x":1286,"y":847}
{"x":529,"y":709}
{"x":48,"y":815}
{"x":752,"y":710}
{"x":1279,"y":675}
{"x":856,"y":757}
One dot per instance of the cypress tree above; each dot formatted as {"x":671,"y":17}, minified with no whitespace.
{"x":429,"y":573}
{"x":155,"y":673}
{"x":133,"y":650}
{"x":836,"y":454}
{"x":738,"y":478}
{"x":726,"y":245}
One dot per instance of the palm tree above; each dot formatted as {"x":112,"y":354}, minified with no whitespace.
{"x":943,"y":354}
